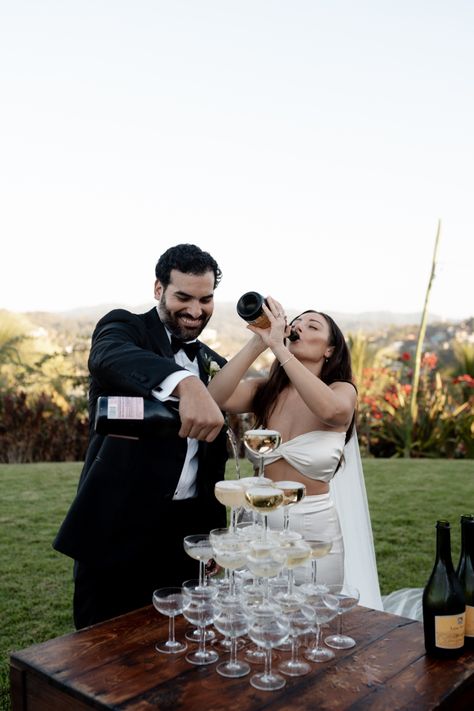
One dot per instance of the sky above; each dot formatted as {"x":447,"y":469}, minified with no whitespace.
{"x":310,"y":145}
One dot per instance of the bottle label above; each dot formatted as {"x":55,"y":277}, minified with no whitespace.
{"x":469,"y":631}
{"x":261,"y":321}
{"x":449,"y":631}
{"x":125,"y":408}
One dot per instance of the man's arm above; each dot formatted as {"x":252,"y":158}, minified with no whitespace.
{"x":120,"y":357}
{"x":120,"y":360}
{"x":200,"y":416}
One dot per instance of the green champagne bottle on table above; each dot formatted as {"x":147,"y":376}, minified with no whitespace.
{"x":443,"y":601}
{"x":465,"y":573}
{"x":134,"y":417}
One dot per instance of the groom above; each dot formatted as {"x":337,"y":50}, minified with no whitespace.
{"x":137,"y":499}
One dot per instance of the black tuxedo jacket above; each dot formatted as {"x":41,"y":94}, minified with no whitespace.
{"x":125,"y":484}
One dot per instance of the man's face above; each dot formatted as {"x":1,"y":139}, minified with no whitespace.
{"x":187,"y":303}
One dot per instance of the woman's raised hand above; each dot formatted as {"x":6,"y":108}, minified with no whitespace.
{"x":279,"y":328}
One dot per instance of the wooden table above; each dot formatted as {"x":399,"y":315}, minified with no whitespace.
{"x":113,"y":665}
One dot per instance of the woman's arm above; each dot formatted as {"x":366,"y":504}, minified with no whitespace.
{"x":231,"y":393}
{"x":333,"y":404}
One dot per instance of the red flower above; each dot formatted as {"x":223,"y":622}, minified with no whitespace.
{"x":406,"y":356}
{"x":467,"y":379}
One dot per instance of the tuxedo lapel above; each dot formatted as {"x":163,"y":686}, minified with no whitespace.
{"x":159,"y":340}
{"x":202,"y":358}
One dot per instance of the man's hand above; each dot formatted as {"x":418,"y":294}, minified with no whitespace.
{"x":200,"y":416}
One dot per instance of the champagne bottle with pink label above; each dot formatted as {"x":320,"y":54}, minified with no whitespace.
{"x":134,"y":417}
{"x":443,"y":601}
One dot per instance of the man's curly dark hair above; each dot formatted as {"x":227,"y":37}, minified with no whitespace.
{"x":186,"y":258}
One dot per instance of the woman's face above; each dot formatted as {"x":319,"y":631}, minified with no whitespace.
{"x":314,"y":336}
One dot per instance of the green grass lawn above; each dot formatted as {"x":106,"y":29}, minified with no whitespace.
{"x":406,"y":497}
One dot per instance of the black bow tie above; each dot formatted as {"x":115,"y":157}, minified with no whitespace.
{"x":190,"y":349}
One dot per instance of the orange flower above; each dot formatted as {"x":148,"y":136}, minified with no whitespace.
{"x":429,"y":360}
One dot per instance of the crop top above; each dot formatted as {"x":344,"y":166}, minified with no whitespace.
{"x":313,"y":454}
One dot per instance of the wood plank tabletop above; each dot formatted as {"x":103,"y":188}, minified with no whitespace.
{"x":114,"y":665}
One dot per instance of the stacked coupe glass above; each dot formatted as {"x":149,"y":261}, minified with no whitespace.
{"x":256,"y":602}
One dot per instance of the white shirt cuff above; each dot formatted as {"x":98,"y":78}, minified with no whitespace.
{"x":168,"y":385}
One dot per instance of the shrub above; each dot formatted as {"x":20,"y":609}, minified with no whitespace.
{"x":37,"y":429}
{"x":444,"y":426}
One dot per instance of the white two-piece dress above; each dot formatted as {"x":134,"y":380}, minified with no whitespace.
{"x":340,"y":515}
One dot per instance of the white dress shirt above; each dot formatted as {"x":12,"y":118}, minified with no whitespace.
{"x":187,"y":487}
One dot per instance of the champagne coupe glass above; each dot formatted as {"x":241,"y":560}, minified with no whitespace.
{"x":264,"y":499}
{"x":265,"y":560}
{"x":198,"y":546}
{"x":232,"y":622}
{"x":268,"y":628}
{"x":224,"y":644}
{"x":320,"y":547}
{"x":293,"y":491}
{"x":169,"y":601}
{"x":324,"y":607}
{"x":251,"y":596}
{"x":230,"y":494}
{"x":297,"y":553}
{"x":347,"y":597}
{"x":260,"y":442}
{"x":200,"y":609}
{"x":229,"y":551}
{"x":301,"y":619}
{"x":247,"y":483}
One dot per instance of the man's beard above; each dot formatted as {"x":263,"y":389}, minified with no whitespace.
{"x":174,"y":324}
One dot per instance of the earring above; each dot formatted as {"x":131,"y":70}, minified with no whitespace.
{"x":326,"y":360}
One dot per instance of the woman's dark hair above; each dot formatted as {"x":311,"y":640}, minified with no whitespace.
{"x":336,"y":368}
{"x":186,"y":258}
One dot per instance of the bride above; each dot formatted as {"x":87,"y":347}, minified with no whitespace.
{"x":310,"y":399}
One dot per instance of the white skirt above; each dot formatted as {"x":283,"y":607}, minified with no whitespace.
{"x":316,"y":516}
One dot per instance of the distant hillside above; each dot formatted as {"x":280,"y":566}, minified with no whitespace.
{"x":225,"y":316}
{"x":72,"y":330}
{"x":226,"y":330}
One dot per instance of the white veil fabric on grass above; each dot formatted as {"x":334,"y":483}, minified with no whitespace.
{"x":350,"y":498}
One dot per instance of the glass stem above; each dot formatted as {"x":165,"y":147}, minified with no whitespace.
{"x":318,"y":635}
{"x":171,"y":629}
{"x":233,"y":651}
{"x":291,"y":581}
{"x":202,"y":573}
{"x":339,"y":623}
{"x":314,"y":571}
{"x":268,"y":662}
{"x":233,"y":518}
{"x":286,"y":518}
{"x":202,"y":641}
{"x":260,"y":467}
{"x":294,"y":640}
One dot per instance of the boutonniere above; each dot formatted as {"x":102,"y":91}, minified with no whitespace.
{"x":211,"y":367}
